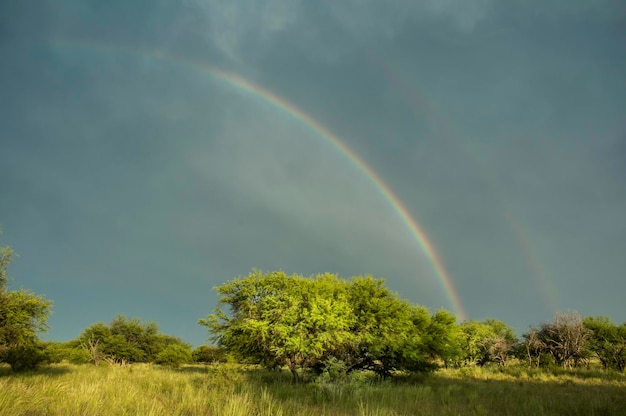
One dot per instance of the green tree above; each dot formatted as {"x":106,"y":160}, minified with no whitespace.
{"x":174,"y":355}
{"x":501,"y":345}
{"x":135,"y":341}
{"x":607,"y":341}
{"x":97,"y":341}
{"x":388,"y":332}
{"x":311,"y":324}
{"x":69,"y":351}
{"x":280,"y":320}
{"x":475,"y":337}
{"x":125,"y":341}
{"x":22,"y":316}
{"x":444,"y":340}
{"x":487,"y":341}
{"x":209,"y":354}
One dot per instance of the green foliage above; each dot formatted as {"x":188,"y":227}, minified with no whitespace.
{"x":487,"y":341}
{"x":70,"y":351}
{"x":607,"y":342}
{"x":25,"y":357}
{"x":388,"y":332}
{"x":209,"y":354}
{"x":22,"y":315}
{"x":125,"y":341}
{"x":444,"y":338}
{"x":54,"y":352}
{"x":306,"y":323}
{"x":280,"y":320}
{"x":174,"y":355}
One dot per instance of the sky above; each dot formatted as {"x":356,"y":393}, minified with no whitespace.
{"x":470,"y":152}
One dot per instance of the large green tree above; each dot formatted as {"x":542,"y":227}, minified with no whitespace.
{"x":280,"y":320}
{"x":309,"y":324}
{"x":22,"y":316}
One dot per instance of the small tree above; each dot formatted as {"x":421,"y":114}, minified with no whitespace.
{"x":565,"y":338}
{"x":174,"y":355}
{"x":22,"y":316}
{"x":92,"y":347}
{"x":533,"y":347}
{"x":209,"y":354}
{"x":607,"y":341}
{"x":487,"y":341}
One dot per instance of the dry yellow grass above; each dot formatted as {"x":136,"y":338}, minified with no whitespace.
{"x":233,"y":390}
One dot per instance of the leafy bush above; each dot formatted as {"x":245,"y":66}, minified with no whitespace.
{"x":78,"y":356}
{"x":25,"y":357}
{"x":208,"y":354}
{"x":174,"y":355}
{"x":334,"y":371}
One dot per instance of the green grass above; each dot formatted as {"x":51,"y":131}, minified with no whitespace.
{"x":235,"y":390}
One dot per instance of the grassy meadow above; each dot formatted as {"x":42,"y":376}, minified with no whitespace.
{"x":224,"y":390}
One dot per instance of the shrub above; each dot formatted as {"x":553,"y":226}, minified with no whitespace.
{"x":208,"y":354}
{"x":26,"y":357}
{"x":174,"y":355}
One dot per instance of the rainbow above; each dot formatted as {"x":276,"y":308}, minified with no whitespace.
{"x":320,"y":130}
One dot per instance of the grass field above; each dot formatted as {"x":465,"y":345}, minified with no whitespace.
{"x":234,"y":390}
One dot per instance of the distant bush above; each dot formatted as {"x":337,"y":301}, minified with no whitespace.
{"x":209,"y":354}
{"x":125,"y":341}
{"x":78,"y":356}
{"x":174,"y":355}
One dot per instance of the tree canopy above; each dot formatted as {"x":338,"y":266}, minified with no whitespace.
{"x":129,"y":340}
{"x":607,"y":341}
{"x":22,"y":316}
{"x":304,"y":323}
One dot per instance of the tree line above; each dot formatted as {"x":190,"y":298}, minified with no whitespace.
{"x":24,"y":315}
{"x":127,"y":341}
{"x":310,"y":325}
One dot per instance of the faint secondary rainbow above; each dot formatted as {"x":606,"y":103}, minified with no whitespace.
{"x":445,"y":129}
{"x":539,"y":271}
{"x":316,"y":127}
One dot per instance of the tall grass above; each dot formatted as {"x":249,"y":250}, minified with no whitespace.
{"x":235,"y":390}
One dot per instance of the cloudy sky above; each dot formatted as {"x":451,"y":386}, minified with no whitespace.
{"x":135,"y":177}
